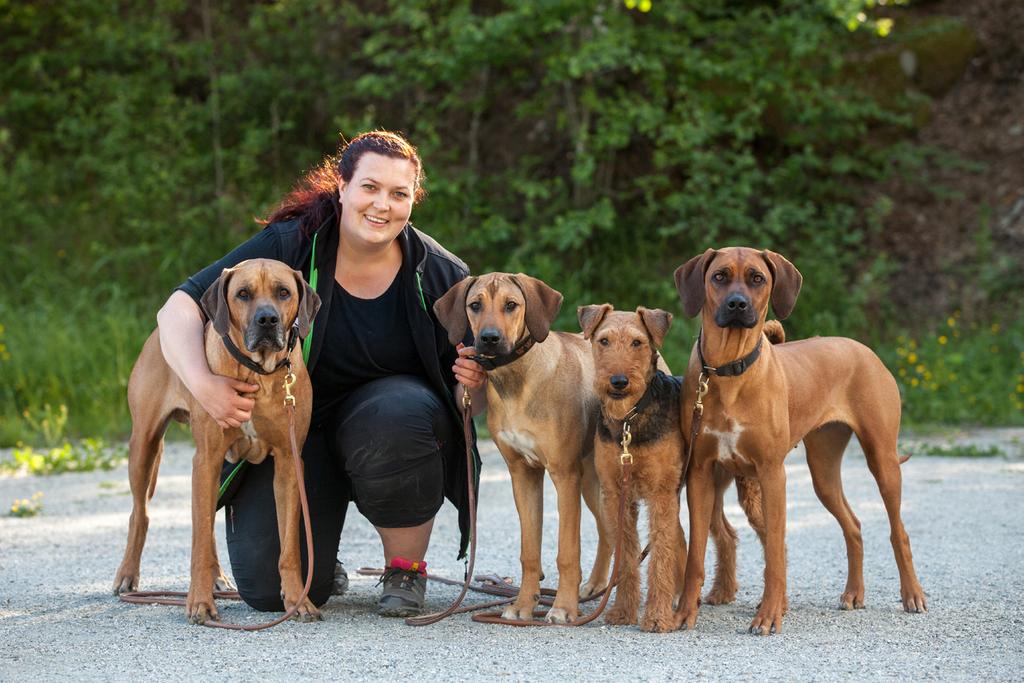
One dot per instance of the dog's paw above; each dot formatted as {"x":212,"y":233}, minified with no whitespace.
{"x":126,"y":582}
{"x":592,"y":587}
{"x":686,"y":616}
{"x":913,"y":599}
{"x":223,"y":583}
{"x":658,"y":621}
{"x":621,"y":616}
{"x":769,"y":618}
{"x":719,"y":596}
{"x":852,"y":599}
{"x":559,"y":615}
{"x":306,"y":613}
{"x":518,"y":612}
{"x":200,"y":609}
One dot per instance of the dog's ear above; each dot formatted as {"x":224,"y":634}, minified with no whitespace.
{"x":309,"y":304}
{"x":215,"y":303}
{"x":786,"y":282}
{"x":591,"y":316}
{"x":690,"y":282}
{"x":657,"y":323}
{"x":542,"y":305}
{"x":450,"y":310}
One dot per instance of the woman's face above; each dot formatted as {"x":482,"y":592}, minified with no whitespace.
{"x":377,"y":202}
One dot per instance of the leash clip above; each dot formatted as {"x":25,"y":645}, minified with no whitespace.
{"x":467,"y":400}
{"x":626,"y":458}
{"x":289,"y":381}
{"x":702,"y":390}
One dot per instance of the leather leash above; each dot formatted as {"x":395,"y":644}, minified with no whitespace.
{"x":467,"y":431}
{"x":178,"y":597}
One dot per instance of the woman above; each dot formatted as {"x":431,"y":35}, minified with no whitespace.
{"x":385,"y":430}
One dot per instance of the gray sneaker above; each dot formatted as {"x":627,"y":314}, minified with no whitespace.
{"x":403,"y":593}
{"x":340,"y":579}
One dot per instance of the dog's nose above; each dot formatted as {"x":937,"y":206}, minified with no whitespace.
{"x":737,"y":302}
{"x":490,"y":336}
{"x":267,"y":317}
{"x":619,"y":382}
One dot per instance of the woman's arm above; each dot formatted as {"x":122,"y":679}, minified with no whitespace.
{"x":181,"y":326}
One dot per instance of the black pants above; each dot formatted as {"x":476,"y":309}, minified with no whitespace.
{"x":384,"y":450}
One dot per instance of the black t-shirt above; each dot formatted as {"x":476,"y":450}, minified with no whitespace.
{"x":365,"y":339}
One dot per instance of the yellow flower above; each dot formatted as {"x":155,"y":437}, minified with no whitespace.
{"x":903,"y":372}
{"x":943,"y":339}
{"x":1020,"y":388}
{"x":900,"y":351}
{"x":951,"y":322}
{"x":912,"y":358}
{"x":920,"y":369}
{"x":994,"y":328}
{"x":914,"y":382}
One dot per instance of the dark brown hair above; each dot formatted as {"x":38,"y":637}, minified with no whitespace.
{"x":315,"y":197}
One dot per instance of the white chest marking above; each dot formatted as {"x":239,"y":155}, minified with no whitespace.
{"x":522,"y":444}
{"x":727,"y":443}
{"x":248,"y":429}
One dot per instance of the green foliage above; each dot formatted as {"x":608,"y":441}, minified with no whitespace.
{"x":84,"y":456}
{"x":594,"y":145}
{"x":27,"y":507}
{"x":957,"y":450}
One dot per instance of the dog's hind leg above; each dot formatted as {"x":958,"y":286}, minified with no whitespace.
{"x":145,"y":447}
{"x":825,"y":447}
{"x":884,"y":463}
{"x":591,"y":487}
{"x":723,"y":590}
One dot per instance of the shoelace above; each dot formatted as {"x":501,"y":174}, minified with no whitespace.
{"x":407,"y":578}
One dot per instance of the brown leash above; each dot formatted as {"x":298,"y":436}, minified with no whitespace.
{"x":178,"y":597}
{"x":467,"y":430}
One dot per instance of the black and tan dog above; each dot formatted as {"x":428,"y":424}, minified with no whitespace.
{"x":261,"y":308}
{"x":763,"y":399}
{"x":635,"y":386}
{"x":542,"y":413}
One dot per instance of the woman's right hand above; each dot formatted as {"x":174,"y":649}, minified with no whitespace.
{"x":226,"y":400}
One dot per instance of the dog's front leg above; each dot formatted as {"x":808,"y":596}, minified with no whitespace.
{"x":528,"y":490}
{"x":700,"y":500}
{"x":773,"y":501}
{"x":289,"y":566}
{"x":567,"y":601}
{"x":663,"y":514}
{"x":206,"y":466}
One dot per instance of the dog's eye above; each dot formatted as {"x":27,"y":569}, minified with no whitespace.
{"x":603,"y":341}
{"x":510,"y":306}
{"x":636,"y":343}
{"x":757,"y":279}
{"x":475,"y":306}
{"x":718,"y":277}
{"x":284,"y":293}
{"x":243,"y":294}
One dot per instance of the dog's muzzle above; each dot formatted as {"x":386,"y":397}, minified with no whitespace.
{"x":265,"y":330}
{"x":489,"y":341}
{"x":736,"y":311}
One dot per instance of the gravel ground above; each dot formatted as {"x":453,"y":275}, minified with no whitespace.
{"x":58,"y":619}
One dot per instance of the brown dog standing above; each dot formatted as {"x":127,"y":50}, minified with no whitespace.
{"x":262,"y":307}
{"x":634,"y":385}
{"x":542,"y":413}
{"x":763,"y":399}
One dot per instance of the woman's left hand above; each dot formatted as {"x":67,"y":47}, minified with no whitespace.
{"x":468,"y":372}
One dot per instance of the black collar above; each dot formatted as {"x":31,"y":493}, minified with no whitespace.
{"x":236,"y":353}
{"x":493,"y":362}
{"x":733,"y":368}
{"x":645,"y":400}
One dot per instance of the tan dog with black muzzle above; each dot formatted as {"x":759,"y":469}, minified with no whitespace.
{"x":262,"y":308}
{"x":762,"y":400}
{"x":542,"y":412}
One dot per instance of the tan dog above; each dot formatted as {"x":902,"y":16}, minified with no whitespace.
{"x":262,"y":307}
{"x":542,"y":413}
{"x":758,"y":409}
{"x":634,"y":385}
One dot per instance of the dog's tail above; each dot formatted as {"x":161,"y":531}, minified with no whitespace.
{"x":773,"y":330}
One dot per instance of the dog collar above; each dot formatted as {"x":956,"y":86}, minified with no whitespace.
{"x":493,"y":362}
{"x":645,"y":400}
{"x":731,"y":369}
{"x":236,"y":353}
